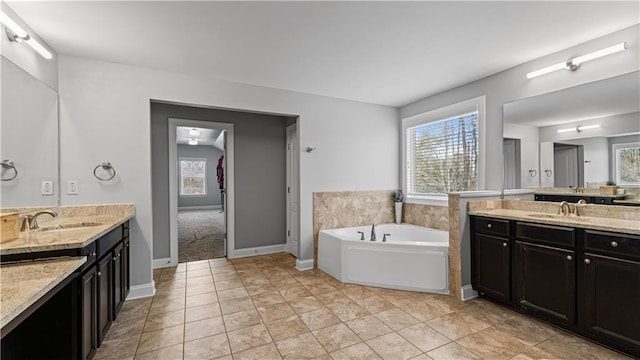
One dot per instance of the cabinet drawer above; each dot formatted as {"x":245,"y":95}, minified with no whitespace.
{"x":622,"y":245}
{"x":108,"y":241}
{"x":546,"y":234}
{"x":491,"y":226}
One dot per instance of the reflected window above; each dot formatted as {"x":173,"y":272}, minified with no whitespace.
{"x":627,"y":164}
{"x":193,"y":176}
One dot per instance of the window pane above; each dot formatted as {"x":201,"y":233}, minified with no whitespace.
{"x":193,"y":177}
{"x":443,"y":155}
{"x":628,"y":169}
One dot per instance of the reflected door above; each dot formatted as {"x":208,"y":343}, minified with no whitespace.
{"x":566,"y":167}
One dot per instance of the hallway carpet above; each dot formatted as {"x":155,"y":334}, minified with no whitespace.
{"x":200,"y":235}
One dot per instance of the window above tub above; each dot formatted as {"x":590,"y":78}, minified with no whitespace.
{"x":443,"y":152}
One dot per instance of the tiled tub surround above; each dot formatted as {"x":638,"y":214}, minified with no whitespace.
{"x":332,"y":210}
{"x":24,"y":283}
{"x":263,"y":308}
{"x":107,"y":216}
{"x":623,"y":219}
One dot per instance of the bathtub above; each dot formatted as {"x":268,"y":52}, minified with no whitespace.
{"x":413,"y":258}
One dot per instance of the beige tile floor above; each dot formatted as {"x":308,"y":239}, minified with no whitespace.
{"x":263,"y":308}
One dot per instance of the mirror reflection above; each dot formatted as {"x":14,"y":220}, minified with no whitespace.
{"x":29,"y":140}
{"x":577,"y":139}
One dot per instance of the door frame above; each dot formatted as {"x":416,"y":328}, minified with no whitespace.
{"x":293,"y":188}
{"x":173,"y":184}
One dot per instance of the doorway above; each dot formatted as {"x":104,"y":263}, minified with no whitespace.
{"x":201,"y":197}
{"x":511,"y":149}
{"x":568,"y":165}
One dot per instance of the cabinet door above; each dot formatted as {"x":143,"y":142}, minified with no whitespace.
{"x":89,"y":319}
{"x":126,"y":255}
{"x":491,"y":267}
{"x":117,"y":279}
{"x":545,"y":279}
{"x":105,"y":297}
{"x":612,"y":301}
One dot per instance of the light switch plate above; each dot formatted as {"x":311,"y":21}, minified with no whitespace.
{"x":47,"y":188}
{"x":72,"y":187}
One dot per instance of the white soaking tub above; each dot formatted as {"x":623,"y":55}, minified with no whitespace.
{"x":413,"y":257}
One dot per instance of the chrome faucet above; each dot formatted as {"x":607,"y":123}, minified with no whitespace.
{"x":30,"y":222}
{"x":565,"y":209}
{"x":373,"y":232}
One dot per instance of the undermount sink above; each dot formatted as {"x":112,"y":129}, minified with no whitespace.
{"x":554,"y":216}
{"x":68,"y":227}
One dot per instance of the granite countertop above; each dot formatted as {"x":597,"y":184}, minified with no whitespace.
{"x":88,"y":228}
{"x":585,"y":222}
{"x":23,"y":283}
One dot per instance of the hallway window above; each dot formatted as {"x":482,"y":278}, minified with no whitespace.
{"x":193,"y":176}
{"x":442,"y":150}
{"x":627,"y":164}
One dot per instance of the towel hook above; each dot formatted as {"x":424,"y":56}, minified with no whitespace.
{"x":9,"y":164}
{"x":106,"y":166}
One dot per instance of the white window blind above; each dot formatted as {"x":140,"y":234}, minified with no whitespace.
{"x":442,"y":156}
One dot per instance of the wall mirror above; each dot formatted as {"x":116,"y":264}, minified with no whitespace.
{"x":576,"y":137}
{"x":28,"y":140}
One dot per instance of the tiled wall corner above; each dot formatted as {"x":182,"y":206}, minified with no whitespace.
{"x":455,"y":254}
{"x":434,"y":217}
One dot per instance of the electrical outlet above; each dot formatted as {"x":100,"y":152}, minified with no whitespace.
{"x":47,"y":188}
{"x":72,"y":187}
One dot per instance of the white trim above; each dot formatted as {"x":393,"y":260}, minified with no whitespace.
{"x":142,"y":291}
{"x":434,"y":200}
{"x":468,"y":293}
{"x":204,"y":207}
{"x":259,"y":250}
{"x":303,"y":265}
{"x":162,"y":263}
{"x":173,"y":183}
{"x":293,"y":185}
{"x":476,"y":104}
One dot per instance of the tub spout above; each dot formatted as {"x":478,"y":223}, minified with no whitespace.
{"x":373,"y":232}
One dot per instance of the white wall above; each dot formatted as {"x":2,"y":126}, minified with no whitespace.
{"x":529,"y":159}
{"x":512,"y":84}
{"x":105,"y":112}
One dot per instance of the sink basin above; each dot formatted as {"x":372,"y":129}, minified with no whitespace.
{"x":68,"y":227}
{"x":555,"y":216}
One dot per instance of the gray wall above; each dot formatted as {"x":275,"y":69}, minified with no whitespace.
{"x":260,"y":174}
{"x":212,"y":155}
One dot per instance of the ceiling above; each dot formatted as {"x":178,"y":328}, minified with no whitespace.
{"x":390,"y":53}
{"x":613,"y":96}
{"x":206,"y":137}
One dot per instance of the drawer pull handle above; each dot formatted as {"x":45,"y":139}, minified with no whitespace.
{"x":569,"y":257}
{"x":93,"y":254}
{"x":99,"y":273}
{"x":587,"y":261}
{"x":113,"y":258}
{"x":489,"y":226}
{"x":504,"y":244}
{"x":614,"y":244}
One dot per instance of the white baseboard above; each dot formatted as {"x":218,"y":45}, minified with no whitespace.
{"x":142,"y":291}
{"x":468,"y":293}
{"x":304,"y":264}
{"x":207,"y":207}
{"x":162,"y":263}
{"x":260,"y":250}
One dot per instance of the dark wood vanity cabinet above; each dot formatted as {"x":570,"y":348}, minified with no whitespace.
{"x":89,"y":317}
{"x":105,"y":297}
{"x":610,"y":274}
{"x":491,"y":260}
{"x":585,"y":281}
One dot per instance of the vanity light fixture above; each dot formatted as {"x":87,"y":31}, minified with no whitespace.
{"x":194,"y":132}
{"x":17,"y":34}
{"x":579,"y":128}
{"x":574,"y":63}
{"x":193,"y":142}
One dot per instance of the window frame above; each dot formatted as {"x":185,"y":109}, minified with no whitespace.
{"x":443,"y":113}
{"x":181,"y":179}
{"x":614,"y":162}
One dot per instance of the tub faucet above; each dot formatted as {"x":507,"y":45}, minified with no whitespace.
{"x":373,"y":232}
